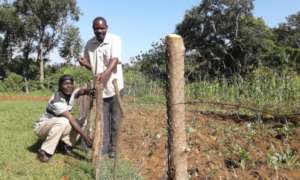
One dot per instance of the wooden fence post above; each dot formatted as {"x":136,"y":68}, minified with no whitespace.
{"x":84,"y":105}
{"x":91,"y":113}
{"x":177,"y":156}
{"x":97,"y":144}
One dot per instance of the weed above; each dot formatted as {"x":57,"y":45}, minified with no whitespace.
{"x":285,"y":131}
{"x":239,"y":157}
{"x":286,"y":158}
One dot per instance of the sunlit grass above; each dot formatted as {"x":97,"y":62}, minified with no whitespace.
{"x":18,"y":149}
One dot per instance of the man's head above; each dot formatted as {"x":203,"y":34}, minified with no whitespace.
{"x":66,"y":84}
{"x":100,"y":28}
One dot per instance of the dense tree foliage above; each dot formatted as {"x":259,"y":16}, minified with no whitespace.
{"x":152,"y":63}
{"x":288,"y":33}
{"x":223,"y":38}
{"x":30,"y":29}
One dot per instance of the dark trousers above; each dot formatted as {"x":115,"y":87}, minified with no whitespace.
{"x":111,"y":119}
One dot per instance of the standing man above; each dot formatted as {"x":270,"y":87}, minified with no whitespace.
{"x":102,"y":55}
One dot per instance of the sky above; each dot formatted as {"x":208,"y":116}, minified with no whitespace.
{"x":139,"y":23}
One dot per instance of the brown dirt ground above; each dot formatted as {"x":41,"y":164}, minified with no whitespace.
{"x":23,"y":98}
{"x":216,"y":142}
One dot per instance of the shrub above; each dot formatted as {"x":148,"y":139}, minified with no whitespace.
{"x":136,"y":84}
{"x":13,"y":82}
{"x":80,"y":74}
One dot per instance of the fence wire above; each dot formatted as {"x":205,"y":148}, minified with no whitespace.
{"x":266,"y":101}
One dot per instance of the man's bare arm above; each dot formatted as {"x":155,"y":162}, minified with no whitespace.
{"x":83,"y":91}
{"x":112,"y":66}
{"x":77,"y":128}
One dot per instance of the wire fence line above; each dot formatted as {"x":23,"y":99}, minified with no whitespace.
{"x":264,"y":91}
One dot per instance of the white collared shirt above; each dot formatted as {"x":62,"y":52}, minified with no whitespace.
{"x":100,"y":54}
{"x":58,"y":104}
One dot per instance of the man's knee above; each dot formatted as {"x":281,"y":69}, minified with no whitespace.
{"x":63,"y":122}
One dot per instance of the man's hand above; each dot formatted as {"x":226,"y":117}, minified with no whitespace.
{"x":88,"y":141}
{"x":84,"y":62}
{"x":103,"y":77}
{"x":77,"y":127}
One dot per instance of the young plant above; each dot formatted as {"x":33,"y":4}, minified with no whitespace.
{"x":286,"y":158}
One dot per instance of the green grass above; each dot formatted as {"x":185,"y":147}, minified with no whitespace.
{"x":18,"y":149}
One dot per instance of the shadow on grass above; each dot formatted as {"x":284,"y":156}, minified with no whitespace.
{"x":75,"y":154}
{"x":34,"y":147}
{"x":78,"y":156}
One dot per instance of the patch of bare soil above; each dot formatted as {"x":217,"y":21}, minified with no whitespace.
{"x":221,"y":147}
{"x":23,"y":98}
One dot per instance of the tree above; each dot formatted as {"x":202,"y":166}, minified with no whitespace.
{"x":223,"y":39}
{"x":45,"y":21}
{"x":287,"y":48}
{"x":71,"y":44}
{"x":9,"y":29}
{"x":153,"y":62}
{"x":288,"y":33}
{"x":218,"y":33}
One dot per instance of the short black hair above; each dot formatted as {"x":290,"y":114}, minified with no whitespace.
{"x":99,"y":19}
{"x":64,"y":78}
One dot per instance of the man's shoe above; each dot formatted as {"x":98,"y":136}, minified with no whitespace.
{"x":67,"y":149}
{"x":112,"y":155}
{"x":64,"y":148}
{"x":43,"y":156}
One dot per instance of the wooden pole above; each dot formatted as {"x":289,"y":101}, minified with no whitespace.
{"x":84,"y":110}
{"x":119,"y":99}
{"x":177,"y":157}
{"x":97,"y":144}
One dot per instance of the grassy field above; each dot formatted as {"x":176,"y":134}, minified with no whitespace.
{"x":19,"y":144}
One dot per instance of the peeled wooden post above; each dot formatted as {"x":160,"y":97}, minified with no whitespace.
{"x":177,"y":157}
{"x":84,"y":111}
{"x":97,"y":144}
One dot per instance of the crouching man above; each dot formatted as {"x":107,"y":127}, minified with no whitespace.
{"x":57,"y":122}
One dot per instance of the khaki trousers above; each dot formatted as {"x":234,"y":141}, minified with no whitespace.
{"x":52,"y":131}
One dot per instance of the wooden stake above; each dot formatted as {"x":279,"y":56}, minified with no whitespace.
{"x":97,"y":144}
{"x":119,"y":99}
{"x":117,"y":91}
{"x":177,"y":157}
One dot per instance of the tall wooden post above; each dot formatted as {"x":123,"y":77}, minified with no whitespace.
{"x":97,"y":144}
{"x":120,"y":104}
{"x":177,"y":157}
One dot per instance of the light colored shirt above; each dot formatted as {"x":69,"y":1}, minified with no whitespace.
{"x":58,"y":104}
{"x":99,"y":56}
